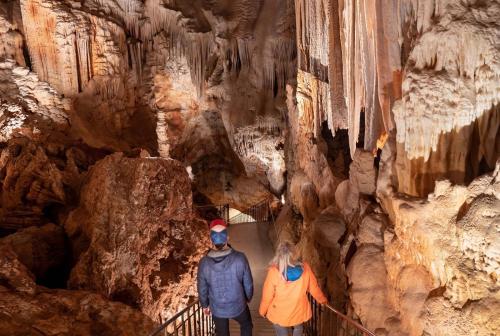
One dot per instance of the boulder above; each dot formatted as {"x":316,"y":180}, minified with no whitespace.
{"x":134,"y":234}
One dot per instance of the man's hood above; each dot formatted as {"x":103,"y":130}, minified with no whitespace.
{"x":214,"y":254}
{"x":220,"y":258}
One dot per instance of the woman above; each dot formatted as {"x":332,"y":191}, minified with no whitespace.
{"x":284,"y":296}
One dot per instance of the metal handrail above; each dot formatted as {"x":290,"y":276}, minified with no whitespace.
{"x":259,"y":212}
{"x":325,"y":321}
{"x":350,"y":321}
{"x":190,"y":321}
{"x":328,"y":321}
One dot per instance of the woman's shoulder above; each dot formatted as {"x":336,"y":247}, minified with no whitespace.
{"x":306,"y":267}
{"x":273,"y":271}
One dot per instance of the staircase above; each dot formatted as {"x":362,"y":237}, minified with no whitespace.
{"x":325,"y":321}
{"x":250,"y":235}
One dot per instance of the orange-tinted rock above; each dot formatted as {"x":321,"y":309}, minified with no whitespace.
{"x":68,"y":313}
{"x":27,"y":309}
{"x":13,"y":274}
{"x":134,"y":234}
{"x":42,"y":250}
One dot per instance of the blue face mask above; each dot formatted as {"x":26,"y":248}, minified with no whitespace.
{"x":218,"y":237}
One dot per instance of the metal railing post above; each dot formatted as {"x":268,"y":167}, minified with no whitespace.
{"x":327,"y":321}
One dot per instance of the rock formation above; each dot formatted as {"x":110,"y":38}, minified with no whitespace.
{"x":28,"y":309}
{"x":417,"y":111}
{"x":134,"y":234}
{"x":375,"y":122}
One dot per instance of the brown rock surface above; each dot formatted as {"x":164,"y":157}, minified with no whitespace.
{"x":42,"y":250}
{"x":362,"y":174}
{"x":27,"y":309}
{"x":40,"y":180}
{"x":438,"y":263}
{"x":134,"y":234}
{"x":68,"y":313}
{"x":13,"y":274}
{"x":203,"y":82}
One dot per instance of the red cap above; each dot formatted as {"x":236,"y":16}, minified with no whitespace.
{"x":217,"y":222}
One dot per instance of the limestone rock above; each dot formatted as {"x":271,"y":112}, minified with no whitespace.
{"x":446,"y":127}
{"x":39,"y":178}
{"x":371,"y":230}
{"x":28,"y":105}
{"x":27,"y":309}
{"x":134,"y":234}
{"x":13,"y":274}
{"x":63,"y":312}
{"x":11,"y":39}
{"x":362,"y":175}
{"x":329,"y":227}
{"x":41,"y":249}
{"x":438,"y":262}
{"x":368,"y":279}
{"x":30,"y":183}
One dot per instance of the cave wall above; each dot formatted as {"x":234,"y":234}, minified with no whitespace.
{"x":158,"y":97}
{"x":421,"y":114}
{"x":146,"y":75}
{"x":377,"y":120}
{"x":386,"y":61}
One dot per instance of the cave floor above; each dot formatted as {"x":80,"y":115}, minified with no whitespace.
{"x":252,"y":239}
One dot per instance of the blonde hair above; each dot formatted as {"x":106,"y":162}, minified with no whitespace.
{"x":285,"y":256}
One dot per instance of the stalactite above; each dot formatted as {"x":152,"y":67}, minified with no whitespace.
{"x":196,"y":52}
{"x":362,"y":63}
{"x":284,"y":53}
{"x":84,"y":62}
{"x":259,"y":139}
{"x":244,"y":52}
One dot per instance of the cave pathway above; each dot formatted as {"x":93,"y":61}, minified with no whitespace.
{"x":252,"y":239}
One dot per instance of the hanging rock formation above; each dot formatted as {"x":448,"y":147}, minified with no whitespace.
{"x":417,"y":110}
{"x":375,"y":122}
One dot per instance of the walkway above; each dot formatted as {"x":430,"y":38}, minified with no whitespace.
{"x":252,"y":239}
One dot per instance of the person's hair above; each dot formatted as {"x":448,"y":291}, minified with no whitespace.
{"x":285,"y":256}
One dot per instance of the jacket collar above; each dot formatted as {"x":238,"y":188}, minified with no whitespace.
{"x":217,"y":254}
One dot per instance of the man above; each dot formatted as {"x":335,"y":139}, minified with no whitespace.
{"x":225,"y":283}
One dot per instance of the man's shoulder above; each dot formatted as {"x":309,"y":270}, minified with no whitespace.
{"x":204,"y":259}
{"x":240,"y":256}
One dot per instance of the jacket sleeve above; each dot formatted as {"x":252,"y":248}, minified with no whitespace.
{"x":268,"y":291}
{"x":202,"y":285}
{"x":314,"y":289}
{"x":247,"y":280}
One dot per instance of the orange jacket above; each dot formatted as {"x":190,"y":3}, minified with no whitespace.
{"x":285,"y":302}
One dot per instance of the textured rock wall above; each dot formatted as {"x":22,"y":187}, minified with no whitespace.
{"x":353,"y":109}
{"x":28,"y":309}
{"x":385,"y":55}
{"x":134,"y":234}
{"x":436,"y":261}
{"x":415,"y":95}
{"x":113,"y":58}
{"x":454,"y":65}
{"x":359,"y":71}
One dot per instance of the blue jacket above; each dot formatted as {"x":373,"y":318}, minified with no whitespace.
{"x":225,"y":282}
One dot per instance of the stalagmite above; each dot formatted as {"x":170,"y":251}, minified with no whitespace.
{"x":376,"y":122}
